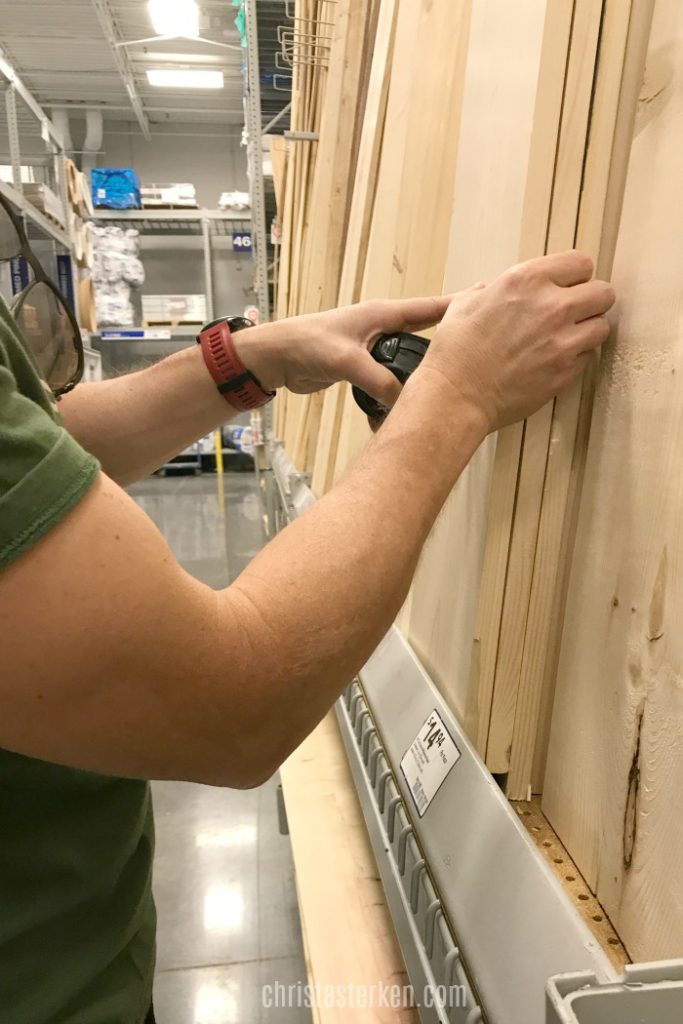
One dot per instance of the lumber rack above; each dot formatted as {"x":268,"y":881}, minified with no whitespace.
{"x":480,"y":917}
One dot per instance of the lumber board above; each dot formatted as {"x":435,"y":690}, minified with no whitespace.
{"x":338,"y":881}
{"x":336,"y":158}
{"x":509,"y":68}
{"x":503,"y":495}
{"x":278,"y":156}
{"x":615,"y":765}
{"x":567,"y":185}
{"x":356,"y":241}
{"x":309,"y":81}
{"x":328,"y":206}
{"x":413,"y":189}
{"x":353,"y":429}
{"x":323,"y":191}
{"x":286,"y":222}
{"x":604,"y":174}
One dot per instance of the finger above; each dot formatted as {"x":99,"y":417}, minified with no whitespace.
{"x":564,"y":268}
{"x":410,"y":314}
{"x":367,"y":374}
{"x":591,"y":299}
{"x":588,"y":335}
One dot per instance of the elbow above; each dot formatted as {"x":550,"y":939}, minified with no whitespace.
{"x":248,"y":775}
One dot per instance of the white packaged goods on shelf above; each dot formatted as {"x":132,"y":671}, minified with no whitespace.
{"x":27,"y":174}
{"x":235,"y":201}
{"x":113,"y":305}
{"x":169,"y":195}
{"x":116,"y":266}
{"x":174,"y":309}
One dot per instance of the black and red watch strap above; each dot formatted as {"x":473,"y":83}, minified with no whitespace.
{"x":238,"y":385}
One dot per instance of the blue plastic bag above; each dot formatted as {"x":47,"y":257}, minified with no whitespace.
{"x":115,"y":188}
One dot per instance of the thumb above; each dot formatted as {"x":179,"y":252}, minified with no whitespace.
{"x":367,"y":374}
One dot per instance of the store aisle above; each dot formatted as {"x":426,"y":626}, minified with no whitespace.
{"x":224,"y":878}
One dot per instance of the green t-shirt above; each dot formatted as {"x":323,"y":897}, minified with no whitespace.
{"x":77,"y":919}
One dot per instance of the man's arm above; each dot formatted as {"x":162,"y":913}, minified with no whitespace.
{"x":136,"y":423}
{"x":128,"y":666}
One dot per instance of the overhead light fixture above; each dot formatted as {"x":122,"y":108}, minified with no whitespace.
{"x":182,"y":78}
{"x":175,"y":17}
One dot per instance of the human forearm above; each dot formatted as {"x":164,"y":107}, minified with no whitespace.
{"x":326,"y":590}
{"x":135,"y":423}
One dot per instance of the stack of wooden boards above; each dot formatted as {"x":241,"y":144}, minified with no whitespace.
{"x":79,"y":210}
{"x":545,"y":603}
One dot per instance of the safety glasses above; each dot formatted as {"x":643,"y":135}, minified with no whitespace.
{"x":41,"y":311}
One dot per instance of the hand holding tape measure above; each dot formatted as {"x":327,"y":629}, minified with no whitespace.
{"x":401,"y":353}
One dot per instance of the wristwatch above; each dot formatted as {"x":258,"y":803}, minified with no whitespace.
{"x":238,"y":385}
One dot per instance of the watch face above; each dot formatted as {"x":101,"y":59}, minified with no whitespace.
{"x":238,"y":323}
{"x":235,"y":323}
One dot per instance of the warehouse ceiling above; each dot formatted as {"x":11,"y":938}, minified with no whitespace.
{"x":66,"y":53}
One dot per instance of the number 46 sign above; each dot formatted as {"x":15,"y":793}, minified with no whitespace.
{"x":241,"y":241}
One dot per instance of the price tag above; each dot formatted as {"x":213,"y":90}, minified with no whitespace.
{"x":241,"y":241}
{"x":428,"y":761}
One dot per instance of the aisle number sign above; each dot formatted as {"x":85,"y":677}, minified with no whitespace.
{"x":241,"y":241}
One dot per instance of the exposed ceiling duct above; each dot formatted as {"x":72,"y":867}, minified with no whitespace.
{"x":92,"y":144}
{"x":61,"y":122}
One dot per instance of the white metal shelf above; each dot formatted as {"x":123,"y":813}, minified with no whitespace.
{"x":22,"y":206}
{"x":54,"y":144}
{"x":180,"y":224}
{"x":159,"y":216}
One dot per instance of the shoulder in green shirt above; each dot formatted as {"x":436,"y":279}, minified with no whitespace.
{"x":77,"y":919}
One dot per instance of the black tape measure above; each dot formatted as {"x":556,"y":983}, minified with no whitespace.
{"x":402,"y":354}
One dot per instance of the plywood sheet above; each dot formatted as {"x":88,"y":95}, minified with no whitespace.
{"x":615,"y":766}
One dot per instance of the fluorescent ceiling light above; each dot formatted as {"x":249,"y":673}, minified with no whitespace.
{"x":168,"y":78}
{"x":175,"y":17}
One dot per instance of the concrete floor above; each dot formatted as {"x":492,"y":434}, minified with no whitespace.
{"x":224,"y":877}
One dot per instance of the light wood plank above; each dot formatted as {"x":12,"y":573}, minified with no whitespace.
{"x":615,"y":765}
{"x":567,"y":184}
{"x":358,"y":229}
{"x":328,"y":206}
{"x":602,"y":192}
{"x":337,"y":881}
{"x":413,"y":189}
{"x":511,"y":68}
{"x":278,"y":156}
{"x":551,"y":62}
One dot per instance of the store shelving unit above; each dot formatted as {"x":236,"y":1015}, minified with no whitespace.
{"x":176,"y":224}
{"x":21,"y":105}
{"x":49,"y":238}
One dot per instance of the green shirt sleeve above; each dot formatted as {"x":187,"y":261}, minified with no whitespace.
{"x":43,"y":471}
